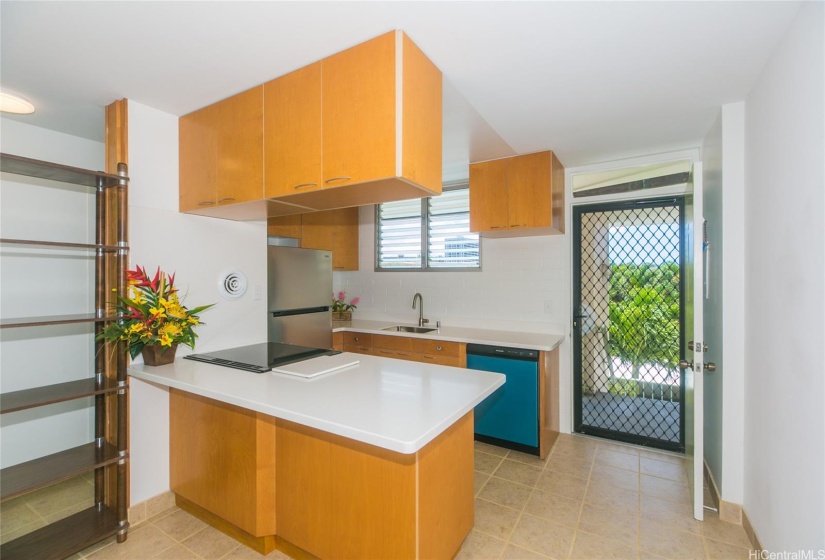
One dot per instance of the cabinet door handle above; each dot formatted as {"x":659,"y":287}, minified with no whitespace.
{"x":304,"y":185}
{"x":336,"y":179}
{"x":356,"y":339}
{"x":227,"y":199}
{"x":518,"y":225}
{"x":206,"y":203}
{"x":438,"y":348}
{"x":498,"y":227}
{"x":405,"y":353}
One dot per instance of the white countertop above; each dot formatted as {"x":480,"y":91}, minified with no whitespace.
{"x":393,"y":404}
{"x":530,"y":341}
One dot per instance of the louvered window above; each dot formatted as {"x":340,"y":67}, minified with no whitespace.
{"x":427,"y":234}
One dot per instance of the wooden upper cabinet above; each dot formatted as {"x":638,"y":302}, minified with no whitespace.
{"x":284,"y":226}
{"x":345,"y":239}
{"x":336,"y":231}
{"x":359,"y":107}
{"x":221,"y":152}
{"x":292,"y":132}
{"x":528,"y":190}
{"x":198,"y":148}
{"x":363,"y":126}
{"x":517,"y":196}
{"x":488,"y":195}
{"x":316,"y":230}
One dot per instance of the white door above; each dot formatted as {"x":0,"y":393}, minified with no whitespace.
{"x":694,"y":398}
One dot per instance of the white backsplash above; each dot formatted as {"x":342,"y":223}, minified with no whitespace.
{"x":520,"y":277}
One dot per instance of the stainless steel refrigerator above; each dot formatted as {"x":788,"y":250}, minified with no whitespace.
{"x":299,"y":296}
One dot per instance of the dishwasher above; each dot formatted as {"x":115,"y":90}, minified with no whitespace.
{"x":510,"y":416}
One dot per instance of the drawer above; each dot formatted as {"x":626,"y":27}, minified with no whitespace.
{"x":396,"y":354}
{"x":401,"y":343}
{"x":438,"y":347}
{"x":441,"y":360}
{"x":357,"y":339}
{"x":357,"y":349}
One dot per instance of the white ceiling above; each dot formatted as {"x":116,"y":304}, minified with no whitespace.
{"x":594,"y":81}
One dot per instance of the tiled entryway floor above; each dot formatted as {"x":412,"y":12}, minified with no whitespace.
{"x":590,"y":499}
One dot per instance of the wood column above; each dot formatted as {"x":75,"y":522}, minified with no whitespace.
{"x":115,"y":203}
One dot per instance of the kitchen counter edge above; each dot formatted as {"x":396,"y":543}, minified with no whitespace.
{"x":168,"y":377}
{"x":514,"y":339}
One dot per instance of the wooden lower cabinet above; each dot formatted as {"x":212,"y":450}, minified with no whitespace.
{"x":358,"y":343}
{"x":548,"y":401}
{"x":276,"y":484}
{"x":407,"y":348}
{"x":222,"y":459}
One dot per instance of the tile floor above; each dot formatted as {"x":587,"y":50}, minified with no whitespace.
{"x":590,"y":499}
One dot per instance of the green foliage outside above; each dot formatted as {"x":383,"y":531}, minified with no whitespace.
{"x":644,"y":315}
{"x":623,"y":387}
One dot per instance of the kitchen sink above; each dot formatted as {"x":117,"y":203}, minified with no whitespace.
{"x":405,"y":328}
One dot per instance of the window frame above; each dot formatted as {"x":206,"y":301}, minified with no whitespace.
{"x":425,"y":229}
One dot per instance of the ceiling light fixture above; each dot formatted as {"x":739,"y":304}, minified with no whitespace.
{"x":13,"y":103}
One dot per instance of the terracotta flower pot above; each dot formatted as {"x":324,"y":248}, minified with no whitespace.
{"x":157,"y":355}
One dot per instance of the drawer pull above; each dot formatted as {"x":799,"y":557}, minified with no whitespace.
{"x":305,"y":185}
{"x":498,"y":227}
{"x":228,"y":199}
{"x":438,"y":348}
{"x":328,"y":181}
{"x":206,"y":203}
{"x":518,"y":225}
{"x":357,"y":339}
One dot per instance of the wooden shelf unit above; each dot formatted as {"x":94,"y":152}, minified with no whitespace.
{"x":33,"y":475}
{"x":107,"y":385}
{"x":59,"y":244}
{"x":76,"y":532}
{"x":46,"y":320}
{"x":19,"y":165}
{"x":51,"y":394}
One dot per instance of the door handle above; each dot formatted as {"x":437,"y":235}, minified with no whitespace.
{"x":684,"y":364}
{"x":710,"y":366}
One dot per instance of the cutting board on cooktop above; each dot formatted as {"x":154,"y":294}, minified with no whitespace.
{"x":318,"y":366}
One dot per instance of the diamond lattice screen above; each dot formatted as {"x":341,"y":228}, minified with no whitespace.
{"x":630,"y":332}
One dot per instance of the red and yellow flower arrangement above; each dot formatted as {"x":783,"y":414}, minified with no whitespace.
{"x":152,"y":314}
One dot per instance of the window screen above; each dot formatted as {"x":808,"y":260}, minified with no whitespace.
{"x":440,"y":224}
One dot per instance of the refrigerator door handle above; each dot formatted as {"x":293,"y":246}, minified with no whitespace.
{"x":302,"y":311}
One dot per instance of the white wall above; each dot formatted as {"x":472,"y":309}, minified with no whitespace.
{"x":723,"y":167}
{"x":784,"y":470}
{"x":46,"y":282}
{"x":197,"y":249}
{"x":518,"y":276}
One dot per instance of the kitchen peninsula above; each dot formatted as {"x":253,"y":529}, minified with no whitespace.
{"x":372,"y":461}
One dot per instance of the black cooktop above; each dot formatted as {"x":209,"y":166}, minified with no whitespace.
{"x":260,"y":358}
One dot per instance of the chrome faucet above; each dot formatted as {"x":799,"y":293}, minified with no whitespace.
{"x":421,"y":320}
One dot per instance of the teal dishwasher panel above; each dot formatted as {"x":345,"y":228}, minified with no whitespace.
{"x":512,"y":412}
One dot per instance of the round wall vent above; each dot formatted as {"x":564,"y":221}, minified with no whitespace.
{"x":232,"y":284}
